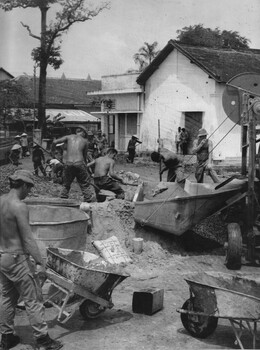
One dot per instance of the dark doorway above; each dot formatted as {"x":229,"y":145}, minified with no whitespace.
{"x":192,"y":124}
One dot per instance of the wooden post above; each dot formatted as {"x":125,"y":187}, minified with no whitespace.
{"x":244,"y":149}
{"x":159,"y":150}
{"x":251,"y":181}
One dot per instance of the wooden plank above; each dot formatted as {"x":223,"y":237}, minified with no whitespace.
{"x":159,"y":150}
{"x":251,"y":181}
{"x":244,"y":149}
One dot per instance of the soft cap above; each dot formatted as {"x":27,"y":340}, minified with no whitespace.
{"x":23,"y":175}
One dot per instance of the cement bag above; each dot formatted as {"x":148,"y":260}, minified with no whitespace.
{"x":111,"y":250}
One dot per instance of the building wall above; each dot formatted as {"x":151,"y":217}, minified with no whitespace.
{"x":124,"y":102}
{"x":119,"y":82}
{"x":179,"y":86}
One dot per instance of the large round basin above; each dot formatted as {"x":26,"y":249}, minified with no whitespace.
{"x":58,"y":227}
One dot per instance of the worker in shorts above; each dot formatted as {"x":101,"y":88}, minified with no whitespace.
{"x":203,"y":147}
{"x":131,"y":148}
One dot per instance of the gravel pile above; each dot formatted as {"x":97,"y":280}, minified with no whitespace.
{"x":6,"y":171}
{"x":213,"y":228}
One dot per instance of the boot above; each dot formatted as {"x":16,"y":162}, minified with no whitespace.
{"x":46,"y":343}
{"x":9,"y":341}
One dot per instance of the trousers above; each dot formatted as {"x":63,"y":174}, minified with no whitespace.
{"x":17,"y":280}
{"x":106,"y":183}
{"x":79,"y":171}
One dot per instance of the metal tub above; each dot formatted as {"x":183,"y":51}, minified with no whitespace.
{"x":54,"y":226}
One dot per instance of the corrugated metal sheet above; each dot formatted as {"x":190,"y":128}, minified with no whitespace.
{"x":72,"y":115}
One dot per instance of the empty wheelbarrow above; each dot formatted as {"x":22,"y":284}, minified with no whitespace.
{"x":214,"y":296}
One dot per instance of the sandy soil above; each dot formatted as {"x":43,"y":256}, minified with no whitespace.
{"x":164,"y":263}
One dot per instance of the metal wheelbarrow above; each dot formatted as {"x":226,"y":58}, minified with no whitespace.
{"x":85,"y":280}
{"x":220,"y":295}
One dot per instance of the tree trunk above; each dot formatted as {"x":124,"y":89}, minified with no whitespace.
{"x":43,"y":73}
{"x":42,"y":98}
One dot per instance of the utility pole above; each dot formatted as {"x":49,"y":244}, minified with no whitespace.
{"x":5,"y":93}
{"x":34,"y":95}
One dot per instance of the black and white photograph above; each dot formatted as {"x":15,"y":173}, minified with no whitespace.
{"x":129,"y":174}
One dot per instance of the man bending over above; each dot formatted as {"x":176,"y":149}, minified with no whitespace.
{"x":104,"y":174}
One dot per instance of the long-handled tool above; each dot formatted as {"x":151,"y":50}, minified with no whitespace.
{"x":159,"y":149}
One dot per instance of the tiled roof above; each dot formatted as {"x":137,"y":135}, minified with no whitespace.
{"x":7,"y":73}
{"x":219,"y":64}
{"x":63,"y":91}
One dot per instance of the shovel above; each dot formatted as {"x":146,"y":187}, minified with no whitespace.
{"x":226,"y":181}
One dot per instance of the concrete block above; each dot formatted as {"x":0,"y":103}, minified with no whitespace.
{"x":148,"y":301}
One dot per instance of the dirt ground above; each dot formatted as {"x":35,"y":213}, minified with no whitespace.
{"x":164,"y":263}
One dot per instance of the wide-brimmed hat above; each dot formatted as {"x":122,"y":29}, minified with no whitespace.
{"x":23,"y":175}
{"x":82,"y":128}
{"x":60,"y":144}
{"x":16,"y":147}
{"x":24,"y":134}
{"x":202,"y":132}
{"x":17,"y":137}
{"x":135,"y":136}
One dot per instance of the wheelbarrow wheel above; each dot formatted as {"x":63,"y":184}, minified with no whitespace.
{"x":197,"y":326}
{"x":90,"y":309}
{"x":234,"y":248}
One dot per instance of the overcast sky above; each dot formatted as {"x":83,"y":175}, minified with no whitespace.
{"x":106,"y":44}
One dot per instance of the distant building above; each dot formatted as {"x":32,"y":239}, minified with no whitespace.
{"x":63,"y":95}
{"x":4,"y":75}
{"x":121,"y":108}
{"x":64,"y":92}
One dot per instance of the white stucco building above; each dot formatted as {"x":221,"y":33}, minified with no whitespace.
{"x":121,"y":108}
{"x":183,"y":86}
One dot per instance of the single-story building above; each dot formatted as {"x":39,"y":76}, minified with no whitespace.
{"x":121,"y":108}
{"x":183,"y":86}
{"x":4,"y":75}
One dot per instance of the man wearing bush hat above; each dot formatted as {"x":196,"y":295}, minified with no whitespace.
{"x":18,"y":275}
{"x":203,"y":147}
{"x":131,"y":148}
{"x":24,"y":144}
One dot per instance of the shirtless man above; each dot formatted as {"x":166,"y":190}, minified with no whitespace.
{"x":18,"y":276}
{"x":75,"y":163}
{"x":171,"y":162}
{"x":104,"y":174}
